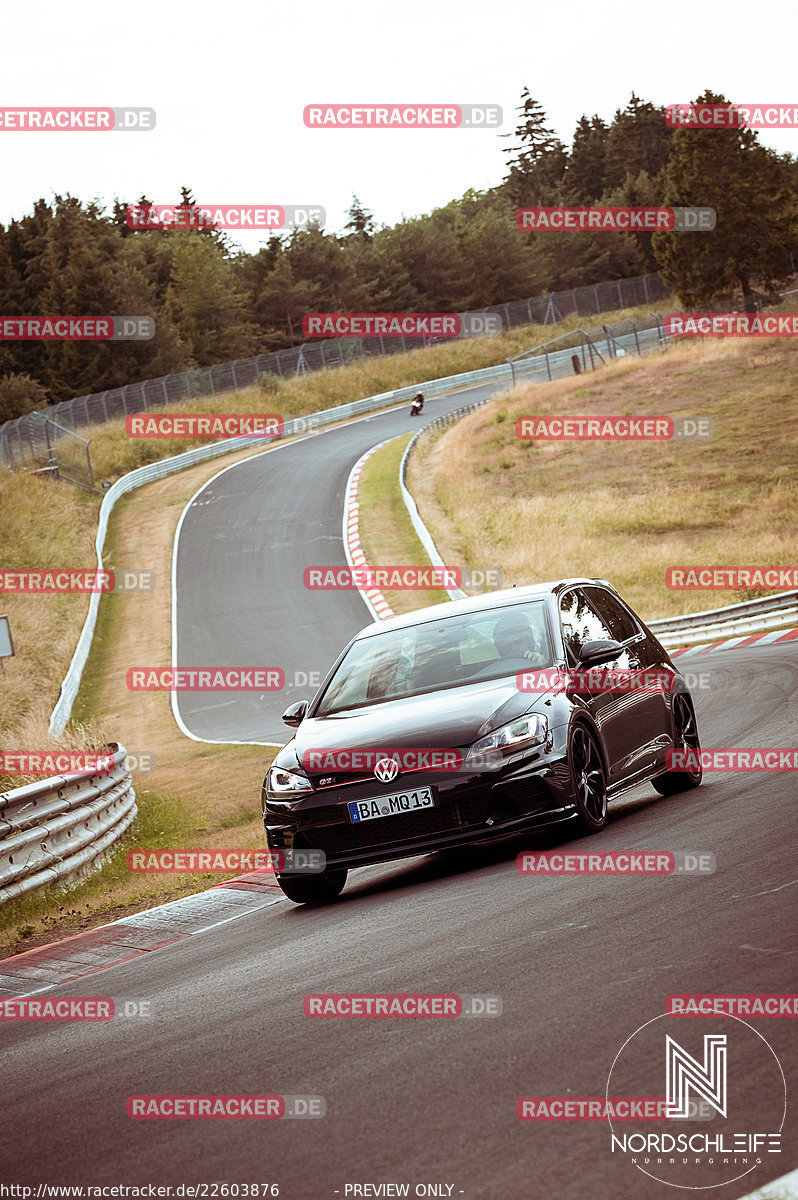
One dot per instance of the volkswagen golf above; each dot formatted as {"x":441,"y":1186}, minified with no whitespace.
{"x":476,"y":719}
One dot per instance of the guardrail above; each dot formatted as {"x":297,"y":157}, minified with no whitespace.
{"x":420,"y":529}
{"x":733,"y":620}
{"x":55,"y":830}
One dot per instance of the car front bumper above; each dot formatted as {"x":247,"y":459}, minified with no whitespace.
{"x":534,"y":789}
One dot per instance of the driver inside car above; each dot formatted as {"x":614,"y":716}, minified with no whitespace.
{"x":515,"y":637}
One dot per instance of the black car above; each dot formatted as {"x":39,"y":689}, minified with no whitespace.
{"x":474,"y":719}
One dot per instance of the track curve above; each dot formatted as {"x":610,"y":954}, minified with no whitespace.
{"x":243,"y":543}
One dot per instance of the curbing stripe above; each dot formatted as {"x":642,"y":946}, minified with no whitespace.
{"x":373,"y":598}
{"x":131,"y":937}
{"x":729,"y":643}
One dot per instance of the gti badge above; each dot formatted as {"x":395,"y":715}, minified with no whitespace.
{"x":386,"y":769}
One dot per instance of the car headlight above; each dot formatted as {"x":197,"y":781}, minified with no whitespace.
{"x":531,"y":730}
{"x":290,"y":784}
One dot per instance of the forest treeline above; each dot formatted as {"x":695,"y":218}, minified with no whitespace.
{"x":213,"y":302}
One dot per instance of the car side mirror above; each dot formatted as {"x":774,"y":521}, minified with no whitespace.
{"x":594,"y":653}
{"x":295,"y":713}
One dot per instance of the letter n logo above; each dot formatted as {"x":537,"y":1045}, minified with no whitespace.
{"x":683,"y":1072}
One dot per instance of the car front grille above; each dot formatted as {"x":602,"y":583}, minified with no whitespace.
{"x":385,"y":831}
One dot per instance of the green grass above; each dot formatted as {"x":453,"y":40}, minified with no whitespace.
{"x":161,"y":823}
{"x":386,"y":531}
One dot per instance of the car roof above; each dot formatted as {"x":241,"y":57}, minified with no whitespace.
{"x":472,"y":604}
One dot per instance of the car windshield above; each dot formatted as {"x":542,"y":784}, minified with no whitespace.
{"x":450,"y":652}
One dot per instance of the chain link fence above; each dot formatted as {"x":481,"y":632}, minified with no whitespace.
{"x":581,"y":350}
{"x":29,"y":438}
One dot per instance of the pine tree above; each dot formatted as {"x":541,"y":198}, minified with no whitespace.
{"x":504,"y":262}
{"x":539,"y":160}
{"x":361,"y":221}
{"x":753,"y":192}
{"x":638,"y":192}
{"x":639,"y":139}
{"x":584,"y":177}
{"x":208,"y":311}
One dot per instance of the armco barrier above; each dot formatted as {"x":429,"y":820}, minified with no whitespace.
{"x":421,"y":531}
{"x":751,"y":616}
{"x":55,"y":830}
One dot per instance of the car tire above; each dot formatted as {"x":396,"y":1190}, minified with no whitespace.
{"x":314,"y":889}
{"x":589,"y":780}
{"x":685,"y":737}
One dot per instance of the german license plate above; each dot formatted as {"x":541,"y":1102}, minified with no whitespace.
{"x":390,"y":806}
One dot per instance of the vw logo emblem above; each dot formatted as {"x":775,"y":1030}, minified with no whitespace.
{"x":386,"y":769}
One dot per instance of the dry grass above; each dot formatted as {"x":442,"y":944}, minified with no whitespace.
{"x":626,"y":511}
{"x":41,"y":523}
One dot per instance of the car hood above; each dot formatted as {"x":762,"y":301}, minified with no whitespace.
{"x":454,"y":717}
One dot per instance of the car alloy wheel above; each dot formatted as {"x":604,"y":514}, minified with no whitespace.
{"x":590,"y":785}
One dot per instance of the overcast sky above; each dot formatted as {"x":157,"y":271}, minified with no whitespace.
{"x":229,"y":83}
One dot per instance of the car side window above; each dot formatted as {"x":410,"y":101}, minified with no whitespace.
{"x":580,"y":622}
{"x":616,"y":617}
